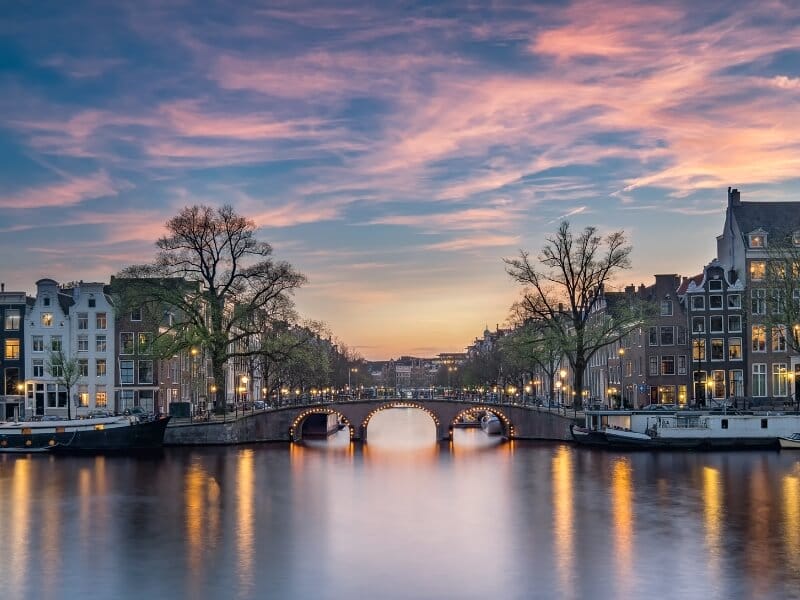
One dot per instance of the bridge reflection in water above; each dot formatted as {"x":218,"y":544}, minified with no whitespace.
{"x":403,"y":516}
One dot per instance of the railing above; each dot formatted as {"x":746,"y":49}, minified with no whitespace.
{"x":308,"y":401}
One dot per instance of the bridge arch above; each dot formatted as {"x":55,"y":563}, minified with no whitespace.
{"x":437,"y":421}
{"x":296,"y":428}
{"x":509,"y":430}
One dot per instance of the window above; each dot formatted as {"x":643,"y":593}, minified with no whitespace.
{"x":100,"y":343}
{"x":12,"y":319}
{"x":12,"y":349}
{"x":734,"y":323}
{"x":718,"y":381}
{"x":83,"y":320}
{"x":758,"y":269}
{"x":715,"y":323}
{"x":734,"y":348}
{"x":759,"y":337}
{"x":796,"y":238}
{"x":653,"y":365}
{"x":666,"y":308}
{"x":136,"y":314}
{"x":47,"y":319}
{"x":681,"y":365}
{"x":126,"y":399}
{"x":715,"y":285}
{"x":715,"y":302}
{"x":100,"y":321}
{"x":145,"y":371}
{"x":92,"y":303}
{"x":698,"y":303}
{"x":667,"y":336}
{"x":764,"y":423}
{"x":682,"y":394}
{"x":56,"y":396}
{"x":757,"y":240}
{"x":145,"y":342}
{"x":46,"y":301}
{"x":83,"y":367}
{"x":698,"y":324}
{"x":38,"y":367}
{"x":758,"y":302}
{"x":55,"y":343}
{"x":777,"y":301}
{"x":668,"y":365}
{"x":759,"y":380}
{"x":779,"y":379}
{"x":38,"y":343}
{"x":56,"y":371}
{"x":653,"y":338}
{"x":699,"y":349}
{"x":83,"y":395}
{"x":778,"y":335}
{"x":146,"y":400}
{"x":734,"y":301}
{"x":736,"y":386}
{"x":100,"y":398}
{"x":126,"y":343}
{"x":100,"y":367}
{"x":681,"y":336}
{"x":717,"y":349}
{"x":83,"y":343}
{"x":724,"y":423}
{"x":628,"y":368}
{"x":125,"y":371}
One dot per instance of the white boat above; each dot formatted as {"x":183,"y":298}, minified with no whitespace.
{"x":689,"y":429}
{"x":491,"y":424}
{"x":790,"y":442}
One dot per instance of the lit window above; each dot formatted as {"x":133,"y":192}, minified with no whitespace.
{"x":796,"y":238}
{"x":83,"y":395}
{"x":12,"y":319}
{"x":100,"y":399}
{"x":47,"y":319}
{"x":758,"y":269}
{"x":12,"y":349}
{"x":698,"y":349}
{"x":100,"y":367}
{"x":759,"y":337}
{"x":757,"y":240}
{"x":734,"y":348}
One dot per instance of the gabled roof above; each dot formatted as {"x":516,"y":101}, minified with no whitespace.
{"x":768,"y":216}
{"x":696,"y":279}
{"x":65,"y":301}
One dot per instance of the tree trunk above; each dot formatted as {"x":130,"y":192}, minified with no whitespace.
{"x":218,"y":369}
{"x":551,"y":390}
{"x":578,"y":385}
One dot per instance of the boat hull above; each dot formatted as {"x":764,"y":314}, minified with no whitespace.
{"x":790,"y":443}
{"x":136,"y":437}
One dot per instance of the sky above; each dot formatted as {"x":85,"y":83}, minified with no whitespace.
{"x":392,"y":152}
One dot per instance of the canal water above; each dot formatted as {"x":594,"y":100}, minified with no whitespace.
{"x":401,"y":517}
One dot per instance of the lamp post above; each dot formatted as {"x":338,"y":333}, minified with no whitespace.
{"x":349,"y":388}
{"x":562,"y":374}
{"x":621,"y":353}
{"x":213,"y":390}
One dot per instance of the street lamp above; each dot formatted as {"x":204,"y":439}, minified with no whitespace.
{"x":621,"y":353}
{"x":349,"y":389}
{"x":213,"y":390}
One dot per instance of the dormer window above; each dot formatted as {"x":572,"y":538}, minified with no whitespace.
{"x":758,"y":239}
{"x":46,"y":301}
{"x":796,"y":238}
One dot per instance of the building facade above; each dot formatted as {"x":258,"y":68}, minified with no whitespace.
{"x":13,"y":307}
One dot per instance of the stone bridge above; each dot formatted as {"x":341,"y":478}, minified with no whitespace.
{"x":286,"y":423}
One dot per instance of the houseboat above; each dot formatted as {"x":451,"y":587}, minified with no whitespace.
{"x":685,"y":429}
{"x":106,"y":434}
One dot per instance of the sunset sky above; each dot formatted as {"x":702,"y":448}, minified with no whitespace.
{"x":395,"y":155}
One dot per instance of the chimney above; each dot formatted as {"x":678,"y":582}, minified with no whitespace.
{"x":733,"y":197}
{"x":2,"y":287}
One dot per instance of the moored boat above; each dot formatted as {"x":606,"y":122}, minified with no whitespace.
{"x":674,"y":428}
{"x":491,"y":424}
{"x":107,"y":434}
{"x":790,"y":442}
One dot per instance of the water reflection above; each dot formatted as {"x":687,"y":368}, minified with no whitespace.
{"x":563,"y":513}
{"x":401,"y":517}
{"x":622,"y":506}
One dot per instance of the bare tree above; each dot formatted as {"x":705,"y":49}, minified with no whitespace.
{"x":564,"y":287}
{"x":234,"y":284}
{"x":782,"y":281}
{"x":66,"y":372}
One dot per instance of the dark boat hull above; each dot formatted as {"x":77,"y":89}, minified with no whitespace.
{"x":139,"y":437}
{"x":601,"y":440}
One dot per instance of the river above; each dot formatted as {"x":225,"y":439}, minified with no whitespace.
{"x":401,"y":517}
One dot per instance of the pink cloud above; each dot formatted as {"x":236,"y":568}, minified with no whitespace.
{"x":70,"y":192}
{"x":475,"y":242}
